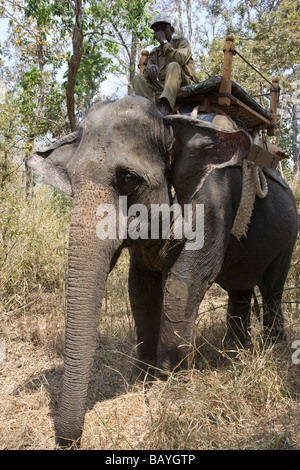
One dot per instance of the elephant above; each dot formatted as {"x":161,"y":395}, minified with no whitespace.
{"x":126,"y":150}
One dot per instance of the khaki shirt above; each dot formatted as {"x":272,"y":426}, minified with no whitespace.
{"x":177,"y":50}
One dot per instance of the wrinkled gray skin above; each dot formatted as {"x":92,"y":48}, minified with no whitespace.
{"x":123,"y":148}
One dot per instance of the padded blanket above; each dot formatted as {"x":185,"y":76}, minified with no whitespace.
{"x":212,"y":85}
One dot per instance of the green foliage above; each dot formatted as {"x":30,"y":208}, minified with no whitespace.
{"x":93,"y":70}
{"x":61,"y":204}
{"x":8,"y":118}
{"x":33,"y":245}
{"x":40,"y":103}
{"x":50,"y":13}
{"x":211,"y":58}
{"x":40,"y":39}
{"x":277,"y":38}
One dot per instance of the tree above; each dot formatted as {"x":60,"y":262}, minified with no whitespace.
{"x":30,"y":81}
{"x":90,"y":39}
{"x":90,"y":34}
{"x":74,"y":63}
{"x":266,"y":34}
{"x":103,"y":21}
{"x":130,"y":23}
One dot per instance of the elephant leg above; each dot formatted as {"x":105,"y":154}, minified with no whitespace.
{"x":238,"y":316}
{"x":184,"y":290}
{"x":146,"y":294}
{"x":271,"y":289}
{"x":273,"y":321}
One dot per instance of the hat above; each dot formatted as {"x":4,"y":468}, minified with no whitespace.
{"x":161,"y":18}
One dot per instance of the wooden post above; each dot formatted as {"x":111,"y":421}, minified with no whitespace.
{"x":143,"y":61}
{"x":226,"y":85}
{"x":273,"y":105}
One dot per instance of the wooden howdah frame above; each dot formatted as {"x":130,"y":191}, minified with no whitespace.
{"x":226,"y":101}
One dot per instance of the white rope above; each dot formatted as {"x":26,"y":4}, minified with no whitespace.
{"x":254,"y":182}
{"x":261,"y":185}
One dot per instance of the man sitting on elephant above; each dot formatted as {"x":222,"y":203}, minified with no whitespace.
{"x":170,"y":66}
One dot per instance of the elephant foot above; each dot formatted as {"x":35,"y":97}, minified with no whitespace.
{"x":272,"y":336}
{"x":142,"y":371}
{"x":167,"y":367}
{"x":64,"y":443}
{"x":235,"y":341}
{"x":164,"y":107}
{"x":162,"y":375}
{"x":67,"y":437}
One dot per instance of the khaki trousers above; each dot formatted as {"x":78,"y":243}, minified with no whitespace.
{"x":174,"y":79}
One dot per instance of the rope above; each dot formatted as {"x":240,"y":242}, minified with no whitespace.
{"x":235,"y":52}
{"x":261,"y":185}
{"x":259,"y":96}
{"x":254,"y":183}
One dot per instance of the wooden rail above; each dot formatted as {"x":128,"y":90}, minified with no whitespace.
{"x":226,"y":88}
{"x":143,"y":61}
{"x":226,"y":85}
{"x":274,"y":103}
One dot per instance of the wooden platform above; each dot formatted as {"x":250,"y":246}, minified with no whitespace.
{"x":240,"y":111}
{"x":229,"y":97}
{"x":236,"y":110}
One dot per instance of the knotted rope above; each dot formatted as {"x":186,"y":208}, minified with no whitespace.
{"x":254,"y":183}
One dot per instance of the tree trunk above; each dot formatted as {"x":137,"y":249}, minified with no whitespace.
{"x":75,"y":63}
{"x":248,"y":11}
{"x":132,"y":61}
{"x":28,"y":173}
{"x":180,"y":16}
{"x":189,"y":18}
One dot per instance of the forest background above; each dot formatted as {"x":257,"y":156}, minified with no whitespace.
{"x":57,"y":59}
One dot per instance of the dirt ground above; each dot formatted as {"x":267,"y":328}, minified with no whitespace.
{"x":31,"y":377}
{"x":118,"y":417}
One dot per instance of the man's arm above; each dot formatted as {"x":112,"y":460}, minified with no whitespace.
{"x":152,"y":68}
{"x":181,"y":55}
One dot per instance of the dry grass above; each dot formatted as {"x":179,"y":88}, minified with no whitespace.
{"x":247,"y":399}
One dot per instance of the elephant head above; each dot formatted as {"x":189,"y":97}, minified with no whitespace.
{"x":125,"y":148}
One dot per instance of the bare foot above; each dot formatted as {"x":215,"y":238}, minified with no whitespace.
{"x":165,"y":107}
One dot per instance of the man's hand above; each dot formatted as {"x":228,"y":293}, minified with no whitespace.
{"x":153,"y":71}
{"x":160,"y":36}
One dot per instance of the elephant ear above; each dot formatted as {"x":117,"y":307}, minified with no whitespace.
{"x":51,"y":162}
{"x":199,"y":148}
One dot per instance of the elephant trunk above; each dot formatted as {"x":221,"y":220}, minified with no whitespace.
{"x":89,"y":265}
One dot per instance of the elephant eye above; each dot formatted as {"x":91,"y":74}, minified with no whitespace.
{"x":126,"y":183}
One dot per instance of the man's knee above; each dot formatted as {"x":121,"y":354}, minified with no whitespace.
{"x":136,"y":80}
{"x":143,"y":87}
{"x":173,"y":67}
{"x":139,"y":84}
